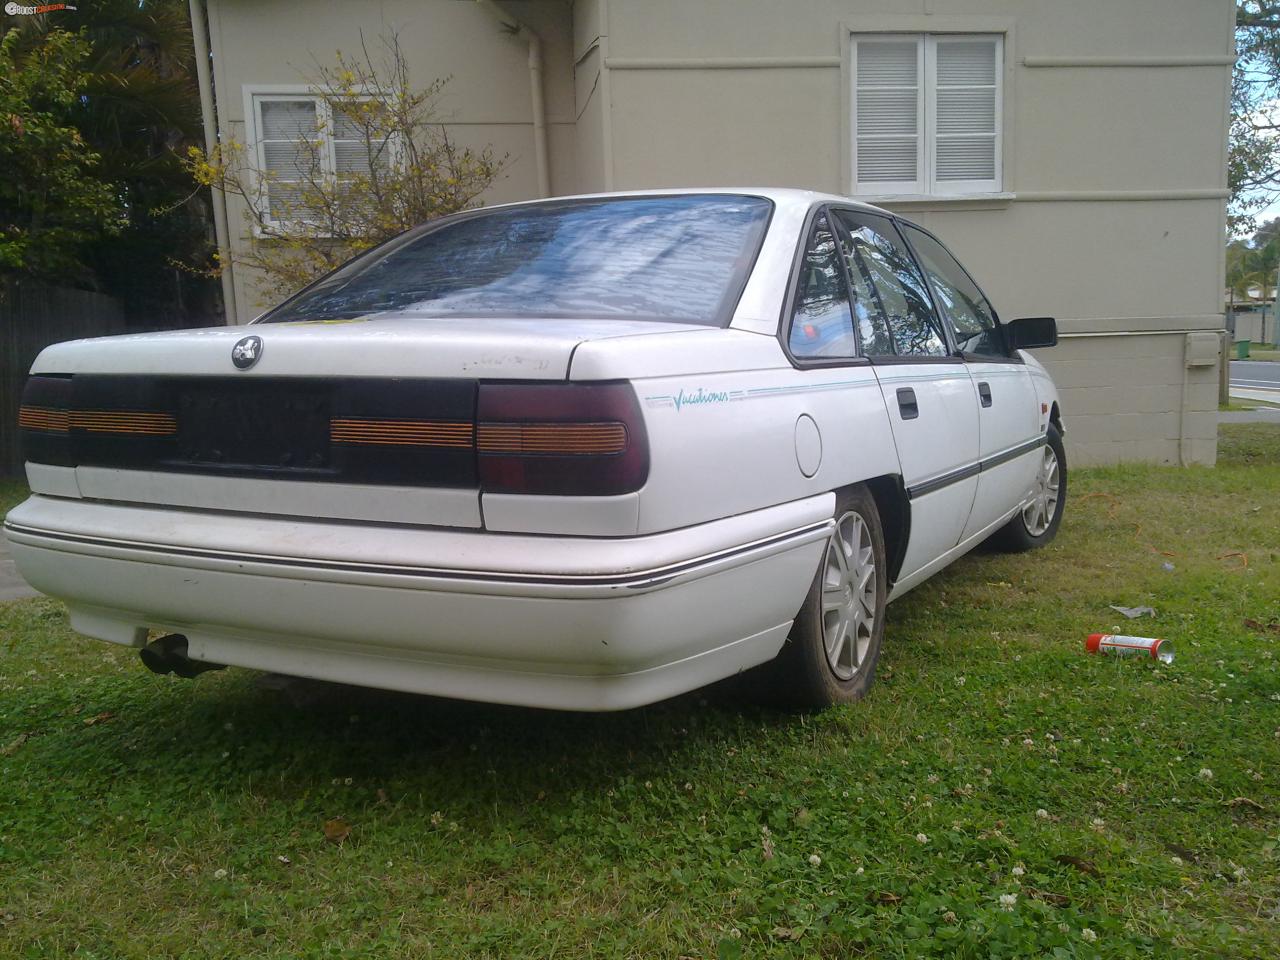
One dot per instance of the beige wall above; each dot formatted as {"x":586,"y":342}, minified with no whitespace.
{"x":1112,"y":214}
{"x":591,"y":92}
{"x":486,"y":102}
{"x":1114,"y":160}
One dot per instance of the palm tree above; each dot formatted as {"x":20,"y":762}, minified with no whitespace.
{"x":1239,"y":274}
{"x":139,"y":92}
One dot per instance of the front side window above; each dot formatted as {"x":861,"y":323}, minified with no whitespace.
{"x":897,"y":317}
{"x":927,"y":114}
{"x":820,"y":322}
{"x":958,"y":297}
{"x":682,"y":259}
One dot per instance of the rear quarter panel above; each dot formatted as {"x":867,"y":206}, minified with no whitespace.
{"x":721,"y":408}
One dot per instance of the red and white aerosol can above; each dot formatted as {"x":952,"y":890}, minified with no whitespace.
{"x":1154,"y":647}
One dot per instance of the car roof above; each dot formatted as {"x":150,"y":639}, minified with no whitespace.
{"x":784,"y":197}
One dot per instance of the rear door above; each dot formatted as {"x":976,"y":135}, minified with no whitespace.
{"x":926,"y":387}
{"x":1009,"y":438}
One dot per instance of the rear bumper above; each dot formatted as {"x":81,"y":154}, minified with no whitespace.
{"x":561,"y":622}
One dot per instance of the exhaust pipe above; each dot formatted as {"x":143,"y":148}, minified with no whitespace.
{"x":168,"y":654}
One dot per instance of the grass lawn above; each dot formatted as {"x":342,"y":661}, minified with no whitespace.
{"x":1130,"y":809}
{"x":1263,"y":353}
{"x":12,"y":492}
{"x":1238,"y":405}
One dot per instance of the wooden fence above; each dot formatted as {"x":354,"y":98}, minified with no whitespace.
{"x":32,"y":316}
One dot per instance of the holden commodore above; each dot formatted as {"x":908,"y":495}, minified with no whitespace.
{"x":583,"y":453}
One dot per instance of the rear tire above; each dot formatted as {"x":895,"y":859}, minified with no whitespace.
{"x":831,"y":653}
{"x":1036,"y":524}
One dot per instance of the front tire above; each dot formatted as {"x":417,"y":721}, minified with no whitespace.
{"x":831,"y":653}
{"x":1036,"y":524}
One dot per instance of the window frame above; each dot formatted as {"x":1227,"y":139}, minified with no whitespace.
{"x":1011,"y":356}
{"x":891,"y":187}
{"x":952,"y":355}
{"x":793,"y":294}
{"x":926,"y":185}
{"x":787,"y":317}
{"x":733,"y":294}
{"x":257,"y":94}
{"x":953,"y":187}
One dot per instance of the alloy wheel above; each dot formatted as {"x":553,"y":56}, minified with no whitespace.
{"x":849,"y":595}
{"x":1037,"y":515}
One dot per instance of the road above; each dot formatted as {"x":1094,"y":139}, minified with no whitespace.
{"x":1254,"y":380}
{"x":1255,"y":373}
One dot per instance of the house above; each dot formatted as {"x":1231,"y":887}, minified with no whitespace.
{"x":1072,"y":154}
{"x":1254,"y":319}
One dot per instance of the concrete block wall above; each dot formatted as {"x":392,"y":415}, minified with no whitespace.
{"x":1132,"y":397}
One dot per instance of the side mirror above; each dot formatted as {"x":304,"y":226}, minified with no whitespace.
{"x":1029,"y":333}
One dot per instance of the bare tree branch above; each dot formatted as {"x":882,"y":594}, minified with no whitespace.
{"x":399,"y":168}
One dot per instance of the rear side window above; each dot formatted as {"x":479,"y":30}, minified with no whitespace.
{"x":898,"y":316}
{"x":958,"y":297}
{"x":682,"y":258}
{"x":821,"y":326}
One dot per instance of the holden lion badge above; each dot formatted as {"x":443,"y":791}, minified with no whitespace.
{"x":246,"y":352}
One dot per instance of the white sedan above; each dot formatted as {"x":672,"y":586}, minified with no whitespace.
{"x":584,"y":453}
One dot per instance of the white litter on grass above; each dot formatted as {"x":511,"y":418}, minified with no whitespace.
{"x":1134,"y":612}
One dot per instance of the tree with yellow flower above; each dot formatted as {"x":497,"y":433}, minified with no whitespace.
{"x":366,"y":158}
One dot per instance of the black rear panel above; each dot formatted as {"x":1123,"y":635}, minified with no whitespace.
{"x":392,"y":431}
{"x":264,"y":424}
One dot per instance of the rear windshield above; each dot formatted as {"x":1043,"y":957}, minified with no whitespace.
{"x":673,"y":258}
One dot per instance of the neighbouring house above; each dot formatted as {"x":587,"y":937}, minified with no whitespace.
{"x":1254,"y":320}
{"x":1072,"y":154}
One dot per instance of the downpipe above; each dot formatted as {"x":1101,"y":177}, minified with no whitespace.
{"x":168,"y":654}
{"x":515,"y":26}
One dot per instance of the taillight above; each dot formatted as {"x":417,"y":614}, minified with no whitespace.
{"x":44,"y":421}
{"x":571,"y":439}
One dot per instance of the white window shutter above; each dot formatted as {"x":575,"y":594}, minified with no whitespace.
{"x":887,"y":114}
{"x":286,"y":126}
{"x":966,"y":113}
{"x":350,"y":154}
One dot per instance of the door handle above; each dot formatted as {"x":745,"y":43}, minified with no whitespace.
{"x":907,"y":405}
{"x":984,"y":393}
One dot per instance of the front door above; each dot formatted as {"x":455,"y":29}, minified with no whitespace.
{"x":1009,"y":438}
{"x":927,"y":390}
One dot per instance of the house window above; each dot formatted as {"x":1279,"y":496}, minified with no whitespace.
{"x":926,"y":114}
{"x":312,"y":141}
